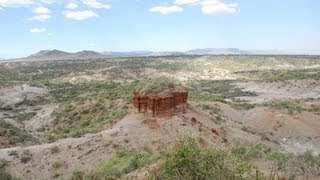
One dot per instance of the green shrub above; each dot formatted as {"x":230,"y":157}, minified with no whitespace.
{"x":25,"y":156}
{"x":242,"y":106}
{"x":248,"y":129}
{"x":77,"y":175}
{"x":25,"y":116}
{"x":280,"y":159}
{"x":189,"y":162}
{"x":291,"y":107}
{"x":15,"y":135}
{"x":58,"y":164}
{"x":308,"y":163}
{"x":13,"y":153}
{"x":3,"y":163}
{"x":121,"y":163}
{"x":54,"y":149}
{"x":248,"y":151}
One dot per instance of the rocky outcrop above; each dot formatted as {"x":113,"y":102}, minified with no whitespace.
{"x":162,"y":104}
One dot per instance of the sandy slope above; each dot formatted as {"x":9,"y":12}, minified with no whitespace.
{"x":91,"y":150}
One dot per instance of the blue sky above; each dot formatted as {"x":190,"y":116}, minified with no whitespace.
{"x":28,"y":26}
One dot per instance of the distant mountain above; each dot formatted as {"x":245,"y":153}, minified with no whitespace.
{"x":270,"y":52}
{"x":49,"y":55}
{"x":127,"y":54}
{"x":213,"y":51}
{"x":217,"y":51}
{"x":141,"y":53}
{"x":61,"y":55}
{"x":87,"y":55}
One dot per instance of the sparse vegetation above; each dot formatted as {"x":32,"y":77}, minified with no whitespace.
{"x":91,"y":95}
{"x":290,"y":107}
{"x":58,"y":164}
{"x":13,"y":153}
{"x":189,"y":162}
{"x":15,"y":135}
{"x":242,"y":106}
{"x":54,"y":149}
{"x":26,"y":156}
{"x":121,"y":163}
{"x":3,"y":174}
{"x":207,"y":90}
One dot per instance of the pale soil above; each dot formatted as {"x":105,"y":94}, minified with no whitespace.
{"x":299,"y":89}
{"x":156,"y":135}
{"x":42,"y":118}
{"x":11,"y":96}
{"x":295,"y":133}
{"x":86,"y":153}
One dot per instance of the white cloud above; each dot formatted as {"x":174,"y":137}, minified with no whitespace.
{"x":15,"y":3}
{"x":95,"y":4}
{"x":92,"y":44}
{"x":217,"y":7}
{"x":41,"y":14}
{"x":79,"y":15}
{"x":55,"y":1}
{"x":1,"y":8}
{"x":166,"y":9}
{"x":72,"y":6}
{"x":37,"y":30}
{"x":183,"y":2}
{"x":40,"y":17}
{"x":41,"y":10}
{"x":50,"y":34}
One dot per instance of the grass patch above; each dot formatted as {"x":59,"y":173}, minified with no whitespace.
{"x":26,"y":156}
{"x":292,"y":108}
{"x":120,"y":164}
{"x":24,"y":116}
{"x":210,"y":90}
{"x":15,"y":135}
{"x":188,"y":161}
{"x":242,"y":106}
{"x":58,"y":164}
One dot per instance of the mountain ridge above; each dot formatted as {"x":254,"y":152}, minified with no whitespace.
{"x":86,"y":54}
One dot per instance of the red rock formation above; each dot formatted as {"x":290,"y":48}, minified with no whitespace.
{"x":160,"y":105}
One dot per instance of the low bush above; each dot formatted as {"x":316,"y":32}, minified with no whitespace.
{"x":26,"y":156}
{"x":189,"y":162}
{"x":121,"y":163}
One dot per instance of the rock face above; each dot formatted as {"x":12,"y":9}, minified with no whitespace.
{"x":162,"y":104}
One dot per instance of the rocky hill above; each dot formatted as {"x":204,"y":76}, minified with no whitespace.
{"x":61,"y":55}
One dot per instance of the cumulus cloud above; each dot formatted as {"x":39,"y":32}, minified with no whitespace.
{"x":37,"y":30}
{"x":95,"y":4}
{"x":183,"y":2}
{"x":79,"y":15}
{"x":214,"y":7}
{"x":55,"y":1}
{"x":41,"y":14}
{"x":72,"y":6}
{"x":218,"y":7}
{"x":15,"y":3}
{"x":41,"y":10}
{"x":40,"y":17}
{"x":166,"y":9}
